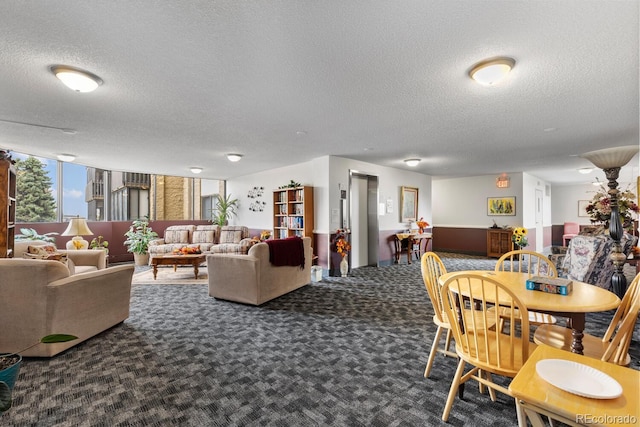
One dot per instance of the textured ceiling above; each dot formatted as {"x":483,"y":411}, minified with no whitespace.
{"x":283,"y":82}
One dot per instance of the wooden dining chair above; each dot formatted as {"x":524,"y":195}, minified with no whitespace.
{"x":535,"y":264}
{"x":476,"y":342}
{"x":614,"y":345}
{"x":432,"y":268}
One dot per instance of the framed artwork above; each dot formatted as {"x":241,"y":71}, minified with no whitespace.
{"x":582,"y":207}
{"x":409,"y":204}
{"x":497,"y":206}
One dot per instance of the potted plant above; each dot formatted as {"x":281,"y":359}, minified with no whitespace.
{"x":225,"y":208}
{"x":99,"y":243}
{"x":138,"y":238}
{"x":10,"y":367}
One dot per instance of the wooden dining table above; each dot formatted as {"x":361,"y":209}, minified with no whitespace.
{"x":421,"y":239}
{"x":584,"y":298}
{"x":535,"y":396}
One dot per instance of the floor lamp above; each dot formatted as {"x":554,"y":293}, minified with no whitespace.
{"x":610,"y":160}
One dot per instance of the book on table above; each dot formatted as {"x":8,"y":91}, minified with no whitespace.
{"x":552,"y":285}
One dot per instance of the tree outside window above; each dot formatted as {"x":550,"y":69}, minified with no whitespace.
{"x":33,"y":188}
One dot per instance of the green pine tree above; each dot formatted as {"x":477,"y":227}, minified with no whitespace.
{"x":34,"y":201}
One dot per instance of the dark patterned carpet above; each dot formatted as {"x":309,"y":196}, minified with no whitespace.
{"x":341,"y":352}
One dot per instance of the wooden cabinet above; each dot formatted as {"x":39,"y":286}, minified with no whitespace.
{"x":293,"y":212}
{"x":7,"y":207}
{"x":498,"y":242}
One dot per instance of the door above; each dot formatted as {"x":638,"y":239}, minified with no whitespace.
{"x":363,"y":217}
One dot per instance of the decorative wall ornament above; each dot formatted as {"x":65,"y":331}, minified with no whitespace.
{"x":257,"y":206}
{"x":255,"y":193}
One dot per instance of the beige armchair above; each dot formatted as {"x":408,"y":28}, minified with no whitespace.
{"x":81,"y":260}
{"x":39,"y":297}
{"x":252,"y":279}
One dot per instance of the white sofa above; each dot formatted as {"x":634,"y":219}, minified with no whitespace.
{"x":252,"y":279}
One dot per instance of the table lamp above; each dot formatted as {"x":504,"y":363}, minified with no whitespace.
{"x":77,"y":227}
{"x":610,"y":160}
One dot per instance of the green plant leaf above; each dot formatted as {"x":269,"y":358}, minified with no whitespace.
{"x":5,"y":397}
{"x":51,"y":339}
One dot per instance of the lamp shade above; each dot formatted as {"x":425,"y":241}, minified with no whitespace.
{"x":608,"y":158}
{"x":77,"y":227}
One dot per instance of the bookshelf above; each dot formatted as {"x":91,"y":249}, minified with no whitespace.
{"x":7,"y":207}
{"x":293,"y":212}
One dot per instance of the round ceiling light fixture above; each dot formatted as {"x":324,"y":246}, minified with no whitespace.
{"x":585,"y":171}
{"x":232,"y":157}
{"x":412,"y":162}
{"x":491,"y":71}
{"x":196,"y":170}
{"x":76,"y":79}
{"x":66,"y":157}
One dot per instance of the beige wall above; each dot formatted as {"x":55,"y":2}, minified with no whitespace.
{"x":175,"y":198}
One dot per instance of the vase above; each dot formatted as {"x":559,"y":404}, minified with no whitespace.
{"x":421,"y":230}
{"x":344,"y":266}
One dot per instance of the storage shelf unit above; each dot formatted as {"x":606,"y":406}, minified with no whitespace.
{"x":7,"y":207}
{"x":498,"y":242}
{"x":293,"y":212}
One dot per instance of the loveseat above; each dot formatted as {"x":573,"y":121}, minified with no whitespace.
{"x":252,"y":278}
{"x":79,"y":261}
{"x":209,"y":238}
{"x":41,"y":297}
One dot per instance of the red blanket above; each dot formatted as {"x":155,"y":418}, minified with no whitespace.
{"x":288,"y":251}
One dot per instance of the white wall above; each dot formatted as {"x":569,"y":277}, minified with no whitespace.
{"x":390,"y":181}
{"x":462,"y":202}
{"x":565,"y":201}
{"x":326,"y":174}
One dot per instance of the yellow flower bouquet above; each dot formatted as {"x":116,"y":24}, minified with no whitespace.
{"x":519,"y":237}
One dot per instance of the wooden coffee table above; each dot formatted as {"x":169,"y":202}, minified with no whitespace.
{"x":176,"y":260}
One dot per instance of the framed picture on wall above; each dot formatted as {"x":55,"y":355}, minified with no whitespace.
{"x":501,"y":206}
{"x":582,"y":207}
{"x":409,"y":204}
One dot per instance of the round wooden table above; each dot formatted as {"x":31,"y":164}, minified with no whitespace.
{"x":584,"y":298}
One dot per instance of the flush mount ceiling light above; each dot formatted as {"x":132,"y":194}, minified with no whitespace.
{"x":76,"y":79}
{"x":234,"y":157}
{"x":412,"y":162}
{"x":585,"y":171}
{"x":492,"y":70}
{"x":196,"y":170}
{"x":66,"y":157}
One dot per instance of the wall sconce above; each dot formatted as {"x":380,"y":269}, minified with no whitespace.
{"x":502,"y":181}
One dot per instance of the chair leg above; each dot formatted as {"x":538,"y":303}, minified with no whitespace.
{"x":448,"y":340}
{"x":434,"y":351}
{"x":457,"y":377}
{"x":492,"y":392}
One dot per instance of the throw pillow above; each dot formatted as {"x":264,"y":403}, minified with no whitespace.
{"x":203,"y":236}
{"x":176,"y":236}
{"x":230,"y":236}
{"x":41,"y":249}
